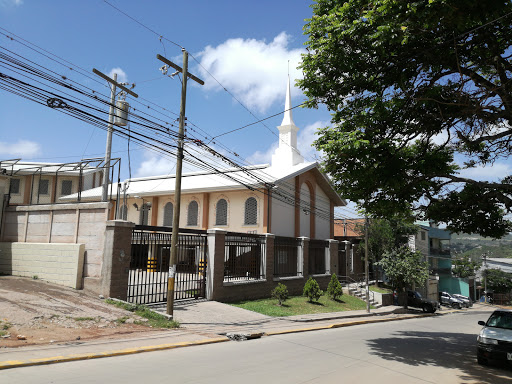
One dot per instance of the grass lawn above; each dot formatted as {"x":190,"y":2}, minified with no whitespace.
{"x":374,"y":288}
{"x":299,"y":305}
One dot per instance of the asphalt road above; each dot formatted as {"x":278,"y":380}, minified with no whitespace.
{"x":437,"y":349}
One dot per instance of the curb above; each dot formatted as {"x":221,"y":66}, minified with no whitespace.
{"x":347,"y":324}
{"x":88,"y":356}
{"x":130,"y":351}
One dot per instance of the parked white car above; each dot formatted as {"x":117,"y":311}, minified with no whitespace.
{"x":465,"y":300}
{"x":495,"y":339}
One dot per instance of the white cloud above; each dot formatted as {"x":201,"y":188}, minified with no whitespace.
{"x":10,"y":3}
{"x":305,"y":139}
{"x":21,"y":148}
{"x":155,"y":165}
{"x":490,"y":173}
{"x":264,"y":157}
{"x":121,"y":75}
{"x":254,"y":71}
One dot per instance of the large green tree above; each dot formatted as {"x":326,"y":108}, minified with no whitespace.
{"x":419,"y":91}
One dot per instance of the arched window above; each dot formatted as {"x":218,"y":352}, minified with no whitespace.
{"x":193,"y":209}
{"x":124,"y":212}
{"x":168,"y":214}
{"x":251,"y":211}
{"x":221,"y":215}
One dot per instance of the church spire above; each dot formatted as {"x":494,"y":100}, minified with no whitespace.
{"x":287,"y":118}
{"x":286,"y":154}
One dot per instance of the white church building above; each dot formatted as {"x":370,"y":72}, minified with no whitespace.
{"x":289,"y":197}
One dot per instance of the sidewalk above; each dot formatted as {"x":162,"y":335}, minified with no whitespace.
{"x":202,"y":322}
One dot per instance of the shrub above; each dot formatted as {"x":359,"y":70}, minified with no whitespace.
{"x":280,"y":293}
{"x":312,"y":290}
{"x":334,"y":289}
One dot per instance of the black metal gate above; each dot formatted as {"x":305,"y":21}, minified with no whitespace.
{"x":149,"y":265}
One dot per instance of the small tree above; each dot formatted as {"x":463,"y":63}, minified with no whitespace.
{"x":465,"y":267}
{"x":499,"y":281}
{"x":404,"y":267}
{"x":334,"y":289}
{"x":312,"y":290}
{"x":280,"y":293}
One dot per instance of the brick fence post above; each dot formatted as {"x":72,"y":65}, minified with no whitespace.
{"x":215,"y":263}
{"x":333,"y":256}
{"x":116,"y":259}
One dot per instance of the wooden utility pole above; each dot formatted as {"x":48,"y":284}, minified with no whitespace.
{"x":179,"y":165}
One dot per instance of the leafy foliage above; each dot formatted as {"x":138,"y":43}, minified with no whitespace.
{"x":334,"y":289}
{"x":404,"y":267}
{"x":418,"y":91}
{"x":498,"y":280}
{"x":280,"y":293}
{"x":465,"y":266}
{"x":312,"y":290}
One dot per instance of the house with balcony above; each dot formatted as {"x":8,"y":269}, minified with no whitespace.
{"x":434,"y":243}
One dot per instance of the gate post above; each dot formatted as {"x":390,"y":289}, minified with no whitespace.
{"x":116,"y":259}
{"x":215,"y":263}
{"x":333,"y":256}
{"x":269,"y":252}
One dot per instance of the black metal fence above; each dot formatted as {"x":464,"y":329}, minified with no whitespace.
{"x":286,"y":256}
{"x":317,"y":252}
{"x":149,"y":265}
{"x":243,"y":257}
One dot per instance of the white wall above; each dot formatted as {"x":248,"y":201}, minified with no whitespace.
{"x":322,"y":223}
{"x":283,"y":213}
{"x":305,"y":211}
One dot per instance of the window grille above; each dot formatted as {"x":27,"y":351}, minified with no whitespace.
{"x":168,"y":214}
{"x":221,"y":217}
{"x":251,"y":211}
{"x":43,"y":187}
{"x":193,"y":209}
{"x":423,"y":236}
{"x":14,"y":188}
{"x":66,"y":187}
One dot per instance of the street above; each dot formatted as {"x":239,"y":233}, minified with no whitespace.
{"x":438,"y":349}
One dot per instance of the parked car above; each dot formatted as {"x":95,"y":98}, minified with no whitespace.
{"x":466,"y":301}
{"x":415,"y":300}
{"x":495,"y":339}
{"x":447,"y":299}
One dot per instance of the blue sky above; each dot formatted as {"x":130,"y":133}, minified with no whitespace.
{"x":245,"y":45}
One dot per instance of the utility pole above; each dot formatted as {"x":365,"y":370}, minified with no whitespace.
{"x":366,"y":265}
{"x":179,"y":164}
{"x":485,"y":275}
{"x":111,"y":116}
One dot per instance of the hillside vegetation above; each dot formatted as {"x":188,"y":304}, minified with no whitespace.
{"x":475,"y":246}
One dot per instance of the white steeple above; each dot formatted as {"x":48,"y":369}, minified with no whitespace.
{"x":287,"y":154}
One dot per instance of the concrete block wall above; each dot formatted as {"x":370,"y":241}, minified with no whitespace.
{"x":219,"y":290}
{"x":76,"y":223}
{"x":58,"y":263}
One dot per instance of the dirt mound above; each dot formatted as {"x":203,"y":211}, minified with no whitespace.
{"x":38,"y":312}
